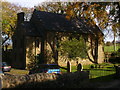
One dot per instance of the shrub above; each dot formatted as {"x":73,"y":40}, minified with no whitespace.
{"x":108,"y":43}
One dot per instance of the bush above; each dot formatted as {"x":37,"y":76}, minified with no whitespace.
{"x":114,"y":60}
{"x":108,"y":43}
{"x":115,"y":57}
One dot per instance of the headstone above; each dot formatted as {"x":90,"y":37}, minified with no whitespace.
{"x":76,"y":62}
{"x":68,"y":66}
{"x":79,"y":67}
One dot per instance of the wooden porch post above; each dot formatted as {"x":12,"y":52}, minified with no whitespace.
{"x":96,"y":51}
{"x":55,"y":51}
{"x":42,"y":49}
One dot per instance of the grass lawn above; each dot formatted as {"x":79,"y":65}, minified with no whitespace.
{"x":110,"y":49}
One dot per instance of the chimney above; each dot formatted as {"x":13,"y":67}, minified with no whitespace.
{"x":20,"y":17}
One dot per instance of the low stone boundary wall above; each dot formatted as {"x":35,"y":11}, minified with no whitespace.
{"x":44,"y":80}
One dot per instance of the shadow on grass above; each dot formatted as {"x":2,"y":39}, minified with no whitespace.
{"x":97,"y":69}
{"x":103,"y":81}
{"x":104,"y":78}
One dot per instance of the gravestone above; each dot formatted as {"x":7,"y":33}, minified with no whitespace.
{"x":68,"y":66}
{"x":79,"y":67}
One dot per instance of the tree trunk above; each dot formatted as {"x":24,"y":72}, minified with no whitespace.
{"x":94,"y":51}
{"x":114,"y":41}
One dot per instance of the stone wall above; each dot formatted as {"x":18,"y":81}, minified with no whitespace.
{"x":63,"y":61}
{"x":44,"y":80}
{"x":33,"y":46}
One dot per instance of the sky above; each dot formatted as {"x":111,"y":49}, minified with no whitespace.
{"x":32,"y":3}
{"x":26,"y":3}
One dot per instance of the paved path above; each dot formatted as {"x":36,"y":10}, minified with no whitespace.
{"x":113,"y":84}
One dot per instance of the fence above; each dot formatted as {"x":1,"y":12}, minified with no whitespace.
{"x":99,"y":72}
{"x":104,"y":72}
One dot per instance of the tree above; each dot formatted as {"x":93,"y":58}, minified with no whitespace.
{"x":56,"y":7}
{"x":73,"y":48}
{"x":9,"y":19}
{"x":108,"y":43}
{"x":114,"y":19}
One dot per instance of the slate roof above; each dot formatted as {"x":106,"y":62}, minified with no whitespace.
{"x":83,"y":25}
{"x":47,"y":21}
{"x":42,"y":21}
{"x":29,"y":29}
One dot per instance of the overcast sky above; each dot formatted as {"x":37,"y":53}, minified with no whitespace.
{"x":26,"y":3}
{"x":32,"y":3}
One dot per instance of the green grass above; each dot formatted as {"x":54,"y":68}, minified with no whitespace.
{"x":100,"y":74}
{"x":110,"y":49}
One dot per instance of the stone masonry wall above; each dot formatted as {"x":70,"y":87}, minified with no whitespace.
{"x":44,"y":80}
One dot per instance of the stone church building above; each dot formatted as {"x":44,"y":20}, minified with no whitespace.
{"x":37,"y":40}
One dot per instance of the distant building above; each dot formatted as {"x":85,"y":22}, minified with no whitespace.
{"x":37,"y":38}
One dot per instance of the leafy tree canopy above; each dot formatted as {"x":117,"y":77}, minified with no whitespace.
{"x":73,"y":48}
{"x":9,"y":18}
